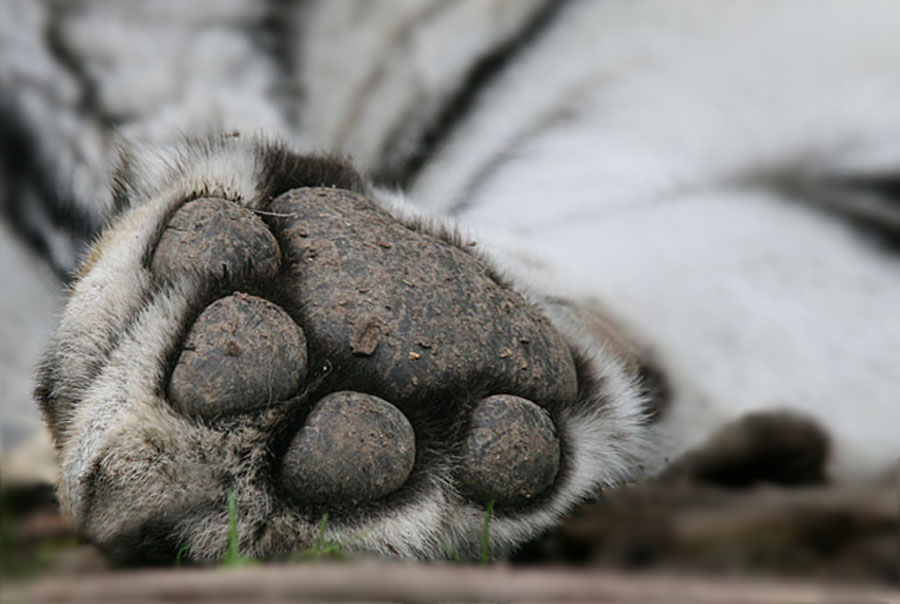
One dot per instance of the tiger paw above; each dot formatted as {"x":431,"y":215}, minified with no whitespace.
{"x":296,"y":344}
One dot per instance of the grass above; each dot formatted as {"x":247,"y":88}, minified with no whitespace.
{"x":233,"y":555}
{"x":485,"y":539}
{"x":486,"y":534}
{"x":182,"y":552}
{"x":321,"y":547}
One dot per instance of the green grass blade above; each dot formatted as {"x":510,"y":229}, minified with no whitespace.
{"x":486,"y":534}
{"x":320,"y":538}
{"x":232,"y":552}
{"x":179,"y":557}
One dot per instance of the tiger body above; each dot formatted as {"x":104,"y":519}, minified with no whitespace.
{"x":704,"y":182}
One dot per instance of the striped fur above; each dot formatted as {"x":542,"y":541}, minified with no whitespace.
{"x":719,"y":178}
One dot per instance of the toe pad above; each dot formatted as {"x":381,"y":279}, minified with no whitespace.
{"x":511,"y":452}
{"x":241,"y":353}
{"x":217,"y":237}
{"x":354,"y":446}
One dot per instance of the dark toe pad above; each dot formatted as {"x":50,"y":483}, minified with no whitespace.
{"x":353,"y":447}
{"x":241,"y":353}
{"x":218,"y":238}
{"x":511,"y":452}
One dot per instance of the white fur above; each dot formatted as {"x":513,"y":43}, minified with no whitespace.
{"x":173,"y":67}
{"x":638,"y":174}
{"x":24,"y":329}
{"x":630,"y":155}
{"x":396,"y":70}
{"x":47,"y":98}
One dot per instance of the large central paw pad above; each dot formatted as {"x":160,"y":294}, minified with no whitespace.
{"x":413,"y":315}
{"x":415,"y":333}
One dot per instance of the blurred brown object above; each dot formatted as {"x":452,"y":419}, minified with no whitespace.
{"x":374,"y":580}
{"x":754,"y":500}
{"x":35,"y":540}
{"x":833,"y":533}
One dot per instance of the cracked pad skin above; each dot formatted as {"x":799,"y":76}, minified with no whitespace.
{"x":413,"y":314}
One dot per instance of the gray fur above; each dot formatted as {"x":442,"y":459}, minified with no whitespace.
{"x":630,"y":158}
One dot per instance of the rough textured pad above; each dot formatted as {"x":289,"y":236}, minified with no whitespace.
{"x":411,"y":314}
{"x":219,"y":238}
{"x":241,"y":353}
{"x":511,"y":452}
{"x":353,"y":447}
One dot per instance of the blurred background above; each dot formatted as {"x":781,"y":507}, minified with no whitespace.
{"x":455,"y":102}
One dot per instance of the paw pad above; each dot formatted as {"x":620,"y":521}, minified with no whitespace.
{"x":400,"y":315}
{"x":322,"y":355}
{"x":218,"y":238}
{"x":511,"y":451}
{"x":412,"y":315}
{"x":241,"y":353}
{"x":353,"y":446}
